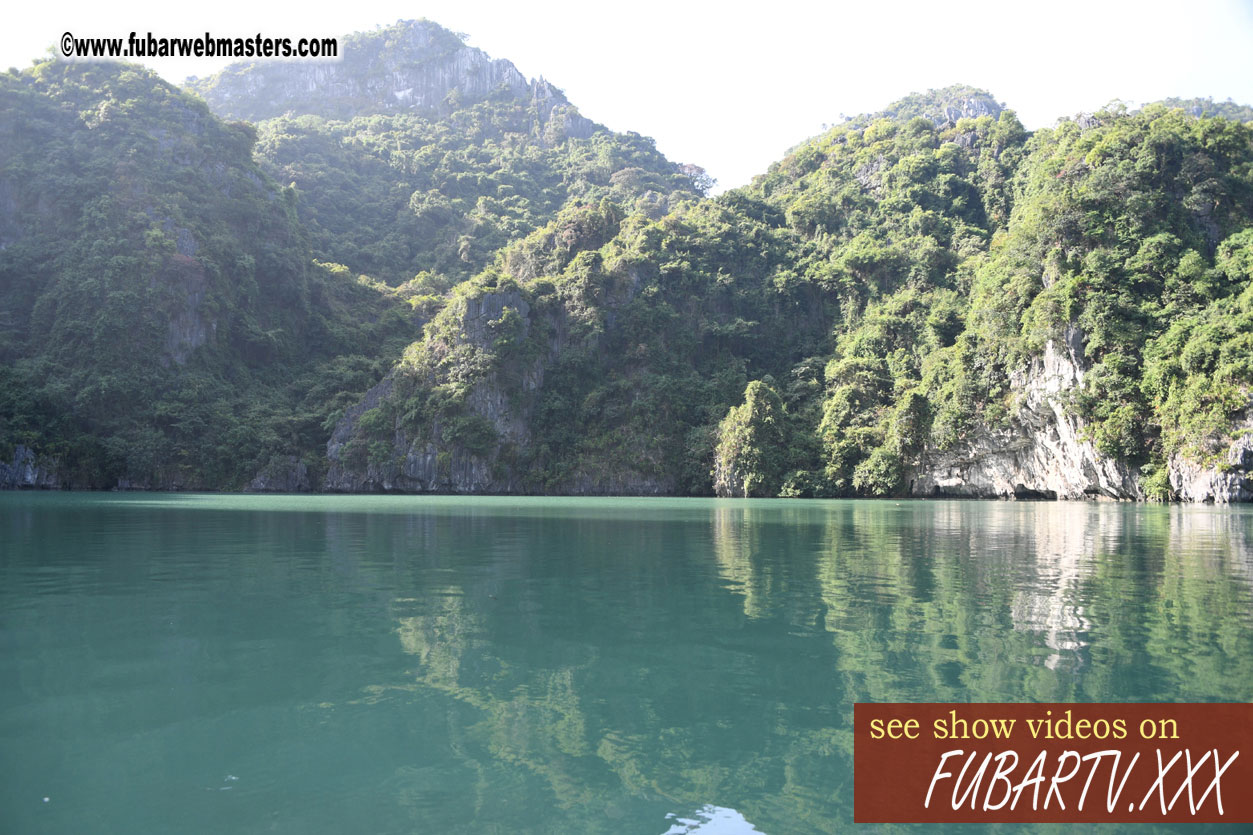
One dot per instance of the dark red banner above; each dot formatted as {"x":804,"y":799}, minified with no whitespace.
{"x":950,"y":763}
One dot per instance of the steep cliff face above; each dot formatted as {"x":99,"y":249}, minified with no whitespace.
{"x":470,"y":449}
{"x":283,"y":474}
{"x":178,"y":319}
{"x":1040,"y":452}
{"x":424,"y":464}
{"x":1043,"y":451}
{"x":941,"y":107}
{"x":415,"y":153}
{"x":413,"y":66}
{"x":158,"y":305}
{"x":1225,"y":479}
{"x":890,"y":281}
{"x":25,"y":471}
{"x":561,"y":119}
{"x":463,"y":413}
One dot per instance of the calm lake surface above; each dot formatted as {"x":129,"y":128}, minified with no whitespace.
{"x":359,"y":664}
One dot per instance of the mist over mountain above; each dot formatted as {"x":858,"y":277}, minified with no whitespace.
{"x":413,"y":269}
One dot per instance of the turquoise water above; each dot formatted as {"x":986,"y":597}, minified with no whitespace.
{"x":343,"y":664}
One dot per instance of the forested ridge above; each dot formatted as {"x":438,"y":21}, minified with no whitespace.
{"x":458,"y":283}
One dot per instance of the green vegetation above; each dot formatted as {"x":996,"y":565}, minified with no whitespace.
{"x":1135,"y":231}
{"x":1208,"y":107}
{"x":164,"y":323}
{"x":174,"y":315}
{"x":752,"y":445}
{"x":393,"y":196}
{"x":418,"y":153}
{"x":842,"y":272}
{"x":896,"y":275}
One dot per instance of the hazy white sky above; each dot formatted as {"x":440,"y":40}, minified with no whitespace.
{"x":731,"y":86}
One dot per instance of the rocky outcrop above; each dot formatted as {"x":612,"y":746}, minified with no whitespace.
{"x":970,"y":106}
{"x":184,"y":285}
{"x":413,"y":66}
{"x":284,"y":474}
{"x":1223,"y":481}
{"x":425,"y":460}
{"x":430,"y":458}
{"x":560,"y":118}
{"x":26,"y":471}
{"x":418,"y":465}
{"x":1041,"y":451}
{"x":165,"y":477}
{"x":942,"y":107}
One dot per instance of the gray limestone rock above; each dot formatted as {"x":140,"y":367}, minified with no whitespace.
{"x":411,"y":67}
{"x":1041,"y":452}
{"x":24,"y":471}
{"x":1227,"y":479}
{"x":283,"y":474}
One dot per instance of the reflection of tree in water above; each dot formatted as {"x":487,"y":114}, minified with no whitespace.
{"x":734,"y":553}
{"x":1038,"y":601}
{"x":595,"y":720}
{"x":764,"y":554}
{"x":606,"y":671}
{"x":918,"y":601}
{"x":1166,"y":598}
{"x":538,"y":724}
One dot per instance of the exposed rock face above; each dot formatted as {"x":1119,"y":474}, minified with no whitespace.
{"x":966,"y":107}
{"x":416,"y":465}
{"x":285,"y":474}
{"x":25,"y":471}
{"x":560,"y":118}
{"x":1230,"y":479}
{"x":943,"y":107}
{"x":414,"y":66}
{"x":10,"y":225}
{"x":164,"y":477}
{"x":427,"y":459}
{"x":430,"y":463}
{"x":184,"y":284}
{"x":1041,"y":453}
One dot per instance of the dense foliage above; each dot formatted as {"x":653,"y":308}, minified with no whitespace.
{"x":1135,"y":231}
{"x":1208,"y":107}
{"x":886,"y":281}
{"x":175,"y":316}
{"x":418,"y":153}
{"x":752,"y":445}
{"x":163,"y":320}
{"x":394,"y":196}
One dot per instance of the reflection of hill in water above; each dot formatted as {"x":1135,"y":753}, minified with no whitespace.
{"x":617,"y":667}
{"x":502,"y":665}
